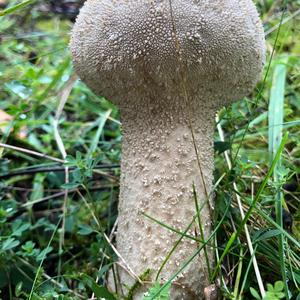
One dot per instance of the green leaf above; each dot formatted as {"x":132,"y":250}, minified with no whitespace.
{"x":28,"y":246}
{"x":153,"y":292}
{"x":221,"y":147}
{"x":38,"y":187}
{"x":270,"y":287}
{"x":18,"y":289}
{"x":254,"y":293}
{"x":36,"y":297}
{"x":19,"y":89}
{"x":85,"y":229}
{"x":278,"y":286}
{"x":44,"y":253}
{"x":280,"y":295}
{"x":19,"y":230}
{"x":267,"y":235}
{"x":100,"y":291}
{"x":70,"y":186}
{"x":70,"y":161}
{"x":9,"y":244}
{"x":104,"y":269}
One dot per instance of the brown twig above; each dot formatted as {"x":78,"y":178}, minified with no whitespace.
{"x":34,"y":153}
{"x":28,"y":171}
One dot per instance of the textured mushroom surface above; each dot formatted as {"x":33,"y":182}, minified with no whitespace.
{"x":168,"y":65}
{"x":122,"y":45}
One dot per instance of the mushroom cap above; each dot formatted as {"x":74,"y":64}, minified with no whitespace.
{"x":215,"y":47}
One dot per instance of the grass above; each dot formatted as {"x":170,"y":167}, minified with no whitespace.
{"x":52,"y":245}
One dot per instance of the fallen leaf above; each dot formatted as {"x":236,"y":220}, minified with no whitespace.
{"x":5,"y":119}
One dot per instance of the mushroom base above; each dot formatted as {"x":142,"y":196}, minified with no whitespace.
{"x":159,"y":169}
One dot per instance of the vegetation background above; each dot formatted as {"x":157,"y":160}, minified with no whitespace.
{"x":59,"y":166}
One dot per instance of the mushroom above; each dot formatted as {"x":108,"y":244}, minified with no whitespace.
{"x":169,"y":66}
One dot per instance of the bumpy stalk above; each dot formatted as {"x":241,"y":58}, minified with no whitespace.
{"x":159,"y":169}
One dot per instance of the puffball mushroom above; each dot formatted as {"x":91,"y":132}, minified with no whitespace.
{"x":169,"y":66}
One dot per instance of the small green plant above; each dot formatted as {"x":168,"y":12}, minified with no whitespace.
{"x":152,"y":292}
{"x":273,"y":292}
{"x":83,"y":169}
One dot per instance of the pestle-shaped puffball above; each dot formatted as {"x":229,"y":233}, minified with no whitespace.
{"x":169,"y":65}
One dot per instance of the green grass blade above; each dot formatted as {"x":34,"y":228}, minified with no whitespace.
{"x":276,"y":109}
{"x":246,"y":275}
{"x":101,"y":122}
{"x":16,"y":7}
{"x":173,"y":249}
{"x":198,"y":210}
{"x":239,"y":274}
{"x":181,"y":233}
{"x":276,"y":118}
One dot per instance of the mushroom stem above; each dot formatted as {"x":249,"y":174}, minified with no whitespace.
{"x":159,"y":133}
